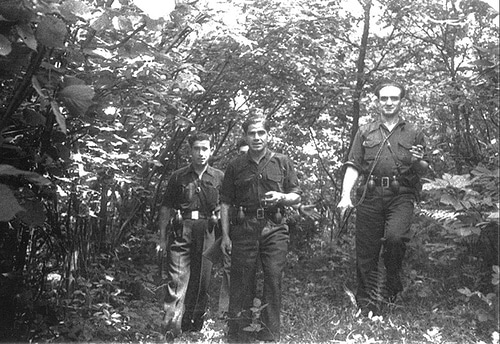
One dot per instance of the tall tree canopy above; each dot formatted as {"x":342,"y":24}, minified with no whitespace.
{"x":97,"y":98}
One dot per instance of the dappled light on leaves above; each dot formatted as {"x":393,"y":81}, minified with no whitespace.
{"x":156,"y":9}
{"x":98,"y":98}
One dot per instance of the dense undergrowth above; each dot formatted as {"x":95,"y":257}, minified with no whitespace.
{"x":449,"y":297}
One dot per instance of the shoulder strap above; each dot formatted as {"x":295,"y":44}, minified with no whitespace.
{"x":260,"y":169}
{"x":379,"y":152}
{"x":393,"y":154}
{"x":264,"y":165}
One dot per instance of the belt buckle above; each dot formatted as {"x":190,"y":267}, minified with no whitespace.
{"x":385,"y":182}
{"x":195,"y":215}
{"x":260,"y":213}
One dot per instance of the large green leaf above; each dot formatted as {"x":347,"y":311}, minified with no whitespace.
{"x":34,"y":213}
{"x":13,"y":10}
{"x":76,"y":98}
{"x":73,"y":9}
{"x":26,"y":33}
{"x":71,"y":80}
{"x":51,"y":32}
{"x":8,"y":170}
{"x":9,"y":206}
{"x":33,"y":118}
{"x":5,"y":46}
{"x":102,"y":22}
{"x":451,"y":200}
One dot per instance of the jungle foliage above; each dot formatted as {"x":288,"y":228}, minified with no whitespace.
{"x":97,"y":98}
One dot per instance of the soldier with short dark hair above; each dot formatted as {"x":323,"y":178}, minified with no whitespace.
{"x":188,"y":217}
{"x":389,"y":155}
{"x":257,"y":186}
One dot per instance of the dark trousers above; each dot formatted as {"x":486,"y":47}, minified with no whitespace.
{"x":382,"y":220}
{"x":215,"y":255}
{"x":253,"y":240}
{"x":226,"y":282}
{"x":188,"y":274}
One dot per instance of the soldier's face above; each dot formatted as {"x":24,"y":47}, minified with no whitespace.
{"x":257,"y":137}
{"x":389,"y":101}
{"x":200,"y":152}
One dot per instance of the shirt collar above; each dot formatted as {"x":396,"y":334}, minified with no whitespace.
{"x":266,"y":157}
{"x":208,"y":171}
{"x":401,"y":122}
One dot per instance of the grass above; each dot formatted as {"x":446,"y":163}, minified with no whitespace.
{"x":317,"y":305}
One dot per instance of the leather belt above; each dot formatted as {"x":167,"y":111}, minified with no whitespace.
{"x":194,"y":215}
{"x":260,"y":213}
{"x":384,"y":182}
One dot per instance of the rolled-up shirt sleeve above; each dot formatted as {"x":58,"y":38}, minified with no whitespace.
{"x":227,"y":191}
{"x":421,"y":140}
{"x":355,"y":158}
{"x":291,"y":182}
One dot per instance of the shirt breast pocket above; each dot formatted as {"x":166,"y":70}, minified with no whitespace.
{"x":371,"y":146}
{"x":275,"y":177}
{"x":244,"y":183}
{"x":209,"y":184}
{"x":404,"y":147}
{"x":210,"y":192}
{"x":188,"y":191}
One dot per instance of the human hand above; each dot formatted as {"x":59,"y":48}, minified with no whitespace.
{"x":417,"y":155}
{"x":226,"y":245}
{"x":309,"y":211}
{"x":272,"y":198}
{"x":344,"y":205}
{"x":417,"y":152}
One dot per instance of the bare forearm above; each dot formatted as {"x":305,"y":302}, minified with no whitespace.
{"x":290,"y":198}
{"x":224,"y":218}
{"x":350,"y":178}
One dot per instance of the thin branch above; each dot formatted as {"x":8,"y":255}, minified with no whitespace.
{"x":330,"y":176}
{"x":24,"y":87}
{"x":127,"y":38}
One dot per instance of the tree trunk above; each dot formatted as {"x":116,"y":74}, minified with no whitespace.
{"x":458,"y":139}
{"x":9,"y":284}
{"x":360,"y":72}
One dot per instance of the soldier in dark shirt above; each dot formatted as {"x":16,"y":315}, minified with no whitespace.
{"x":388,"y":155}
{"x":256,"y":188}
{"x":187,"y":216}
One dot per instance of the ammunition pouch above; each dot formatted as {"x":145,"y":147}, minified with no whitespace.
{"x":274,"y":214}
{"x":408,"y":183}
{"x":198,"y":215}
{"x":175,"y":227}
{"x":213,"y":223}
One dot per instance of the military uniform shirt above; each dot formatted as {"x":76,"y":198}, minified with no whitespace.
{"x":367,"y":143}
{"x":187,"y":192}
{"x":245,"y":186}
